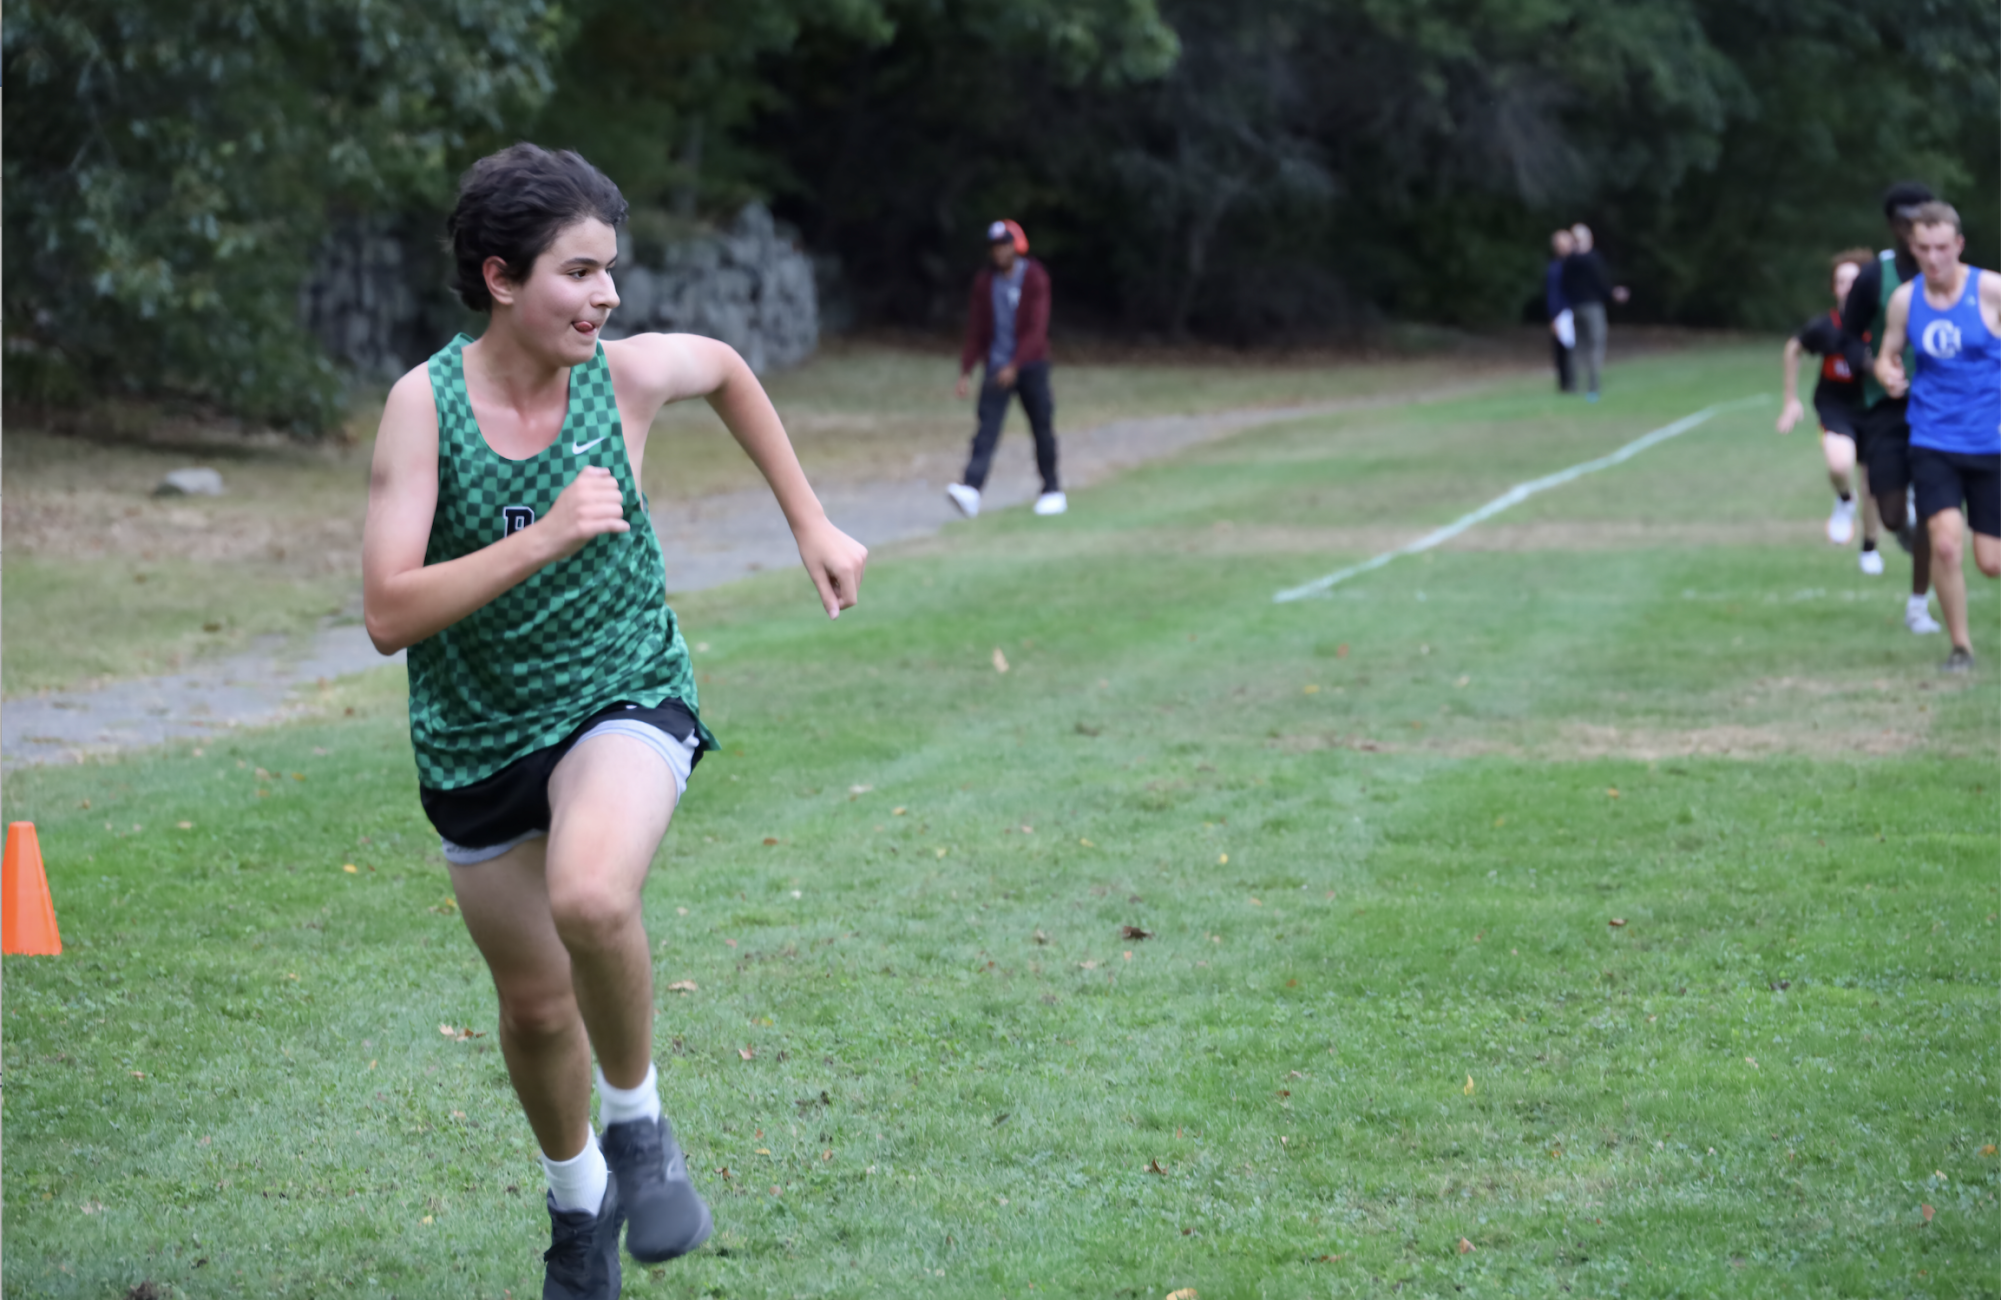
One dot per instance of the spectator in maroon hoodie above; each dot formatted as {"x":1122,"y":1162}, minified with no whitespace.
{"x":1007,"y":324}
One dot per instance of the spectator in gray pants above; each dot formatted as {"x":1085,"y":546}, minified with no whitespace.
{"x":1587,"y":287}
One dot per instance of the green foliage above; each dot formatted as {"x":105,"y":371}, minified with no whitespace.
{"x":170,"y":169}
{"x":1308,"y":163}
{"x":1233,"y":170}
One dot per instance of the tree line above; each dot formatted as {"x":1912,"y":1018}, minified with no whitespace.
{"x":1236,"y":170}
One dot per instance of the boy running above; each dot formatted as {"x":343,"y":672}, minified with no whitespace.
{"x":1837,"y":400}
{"x":1884,"y":443}
{"x":1953,"y":317}
{"x":552,"y":706}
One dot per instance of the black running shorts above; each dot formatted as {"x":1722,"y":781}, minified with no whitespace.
{"x":1946,"y":480}
{"x":513,"y":803}
{"x":1885,"y":447}
{"x":1838,"y":411}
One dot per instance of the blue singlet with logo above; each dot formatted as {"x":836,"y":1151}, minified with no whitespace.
{"x":1956,"y":393}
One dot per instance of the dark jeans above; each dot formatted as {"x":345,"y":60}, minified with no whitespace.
{"x":1564,"y":383}
{"x":1032,"y":383}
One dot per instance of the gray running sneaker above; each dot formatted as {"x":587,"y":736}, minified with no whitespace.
{"x":1959,"y":661}
{"x":665,"y":1216}
{"x":582,"y":1258}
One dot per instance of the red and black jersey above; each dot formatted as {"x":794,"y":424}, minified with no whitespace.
{"x":1822,"y":337}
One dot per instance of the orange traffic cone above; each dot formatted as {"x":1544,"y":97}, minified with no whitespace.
{"x":27,"y":913}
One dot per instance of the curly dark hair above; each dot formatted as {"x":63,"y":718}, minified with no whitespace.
{"x":511,"y":205}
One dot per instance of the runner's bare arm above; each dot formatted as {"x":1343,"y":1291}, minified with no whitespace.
{"x":1890,"y":352}
{"x":660,"y":368}
{"x":1790,"y":410}
{"x":405,"y":600}
{"x":1990,"y":300}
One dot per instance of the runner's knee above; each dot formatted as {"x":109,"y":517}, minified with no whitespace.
{"x":537,"y":1012}
{"x":1947,"y":545}
{"x":590,"y":914}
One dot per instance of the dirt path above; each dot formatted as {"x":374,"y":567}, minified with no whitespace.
{"x":708,"y":542}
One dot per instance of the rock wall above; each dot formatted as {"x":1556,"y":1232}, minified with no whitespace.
{"x":748,"y":285}
{"x":377,"y":299}
{"x":362,"y":299}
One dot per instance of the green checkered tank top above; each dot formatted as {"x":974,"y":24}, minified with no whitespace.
{"x":523,"y":672}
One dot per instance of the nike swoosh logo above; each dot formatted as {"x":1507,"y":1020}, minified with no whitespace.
{"x":579,"y":448}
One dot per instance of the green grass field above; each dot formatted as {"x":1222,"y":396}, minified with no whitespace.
{"x":1604,"y":905}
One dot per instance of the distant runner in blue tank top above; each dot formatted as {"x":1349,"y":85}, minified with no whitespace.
{"x":1951,"y":318}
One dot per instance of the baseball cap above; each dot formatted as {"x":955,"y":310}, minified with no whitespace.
{"x":1009,"y":232}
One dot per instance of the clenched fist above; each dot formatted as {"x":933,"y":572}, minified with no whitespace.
{"x":591,"y":506}
{"x":834,"y":561}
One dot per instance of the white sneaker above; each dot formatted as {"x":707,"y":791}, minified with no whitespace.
{"x":1841,"y":524}
{"x":966,"y":498}
{"x":1918,"y":617}
{"x":1872,"y":563}
{"x":1051,"y":503}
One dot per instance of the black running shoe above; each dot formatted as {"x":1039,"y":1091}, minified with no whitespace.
{"x":665,"y":1217}
{"x":582,"y":1257}
{"x":1959,"y":661}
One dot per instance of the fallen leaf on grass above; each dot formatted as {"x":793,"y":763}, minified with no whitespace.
{"x":1222,"y":859}
{"x":724,"y":1173}
{"x":1469,"y":1085}
{"x":1083,"y":730}
{"x":350,"y":868}
{"x":1327,"y":1259}
{"x":1087,"y":844}
{"x":138,"y":1074}
{"x":1341,"y":652}
{"x":683,"y":986}
{"x":860,"y":789}
{"x":829,"y":1155}
{"x":1988,"y":1150}
{"x":461,"y":1034}
{"x":1309,"y":690}
{"x":1612,"y":792}
{"x":746,"y":1053}
{"x":1153,"y":1167}
{"x":1000,"y":660}
{"x":186,"y":826}
{"x":1087,"y":965}
{"x":770,"y":840}
{"x":1465,"y":1246}
{"x":1134,"y":932}
{"x":898,"y":812}
{"x":1039,"y":937}
{"x":762,"y":1151}
{"x":1185,"y":1293}
{"x":1927,"y":1211}
{"x":1617,"y":922}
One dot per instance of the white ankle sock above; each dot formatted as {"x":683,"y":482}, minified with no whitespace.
{"x":1915,"y":602}
{"x":623,"y":1105}
{"x":579,"y":1182}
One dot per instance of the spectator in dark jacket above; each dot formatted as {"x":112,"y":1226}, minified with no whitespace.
{"x":1562,"y":323}
{"x":1007,"y":326}
{"x":1588,"y":287}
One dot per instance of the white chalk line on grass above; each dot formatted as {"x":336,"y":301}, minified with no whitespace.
{"x":1515,"y":496}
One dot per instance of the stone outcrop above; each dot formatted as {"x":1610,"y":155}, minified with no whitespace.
{"x":747,"y":285}
{"x":377,"y":298}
